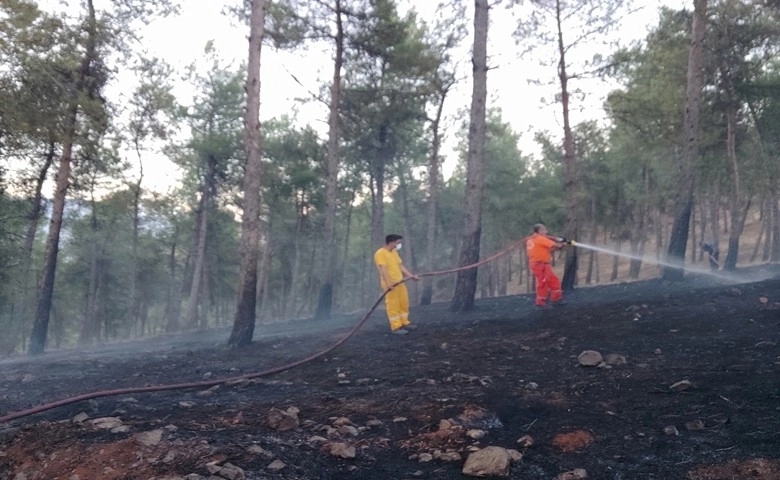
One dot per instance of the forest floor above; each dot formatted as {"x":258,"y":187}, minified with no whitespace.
{"x":689,"y":389}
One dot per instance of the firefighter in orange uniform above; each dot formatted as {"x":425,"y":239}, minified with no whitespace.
{"x":391,"y":271}
{"x":539,"y":248}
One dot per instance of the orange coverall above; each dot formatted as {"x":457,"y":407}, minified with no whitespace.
{"x":539,"y":248}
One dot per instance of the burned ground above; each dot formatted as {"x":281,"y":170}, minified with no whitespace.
{"x":690,"y":390}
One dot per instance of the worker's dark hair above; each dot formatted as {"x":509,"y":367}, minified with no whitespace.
{"x":538,"y":227}
{"x":392,"y":238}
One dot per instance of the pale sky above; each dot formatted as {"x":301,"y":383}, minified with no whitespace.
{"x":528,"y":108}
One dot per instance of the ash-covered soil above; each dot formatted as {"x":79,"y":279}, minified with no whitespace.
{"x":689,"y":389}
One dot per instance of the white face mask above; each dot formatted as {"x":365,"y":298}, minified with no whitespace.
{"x":399,"y":246}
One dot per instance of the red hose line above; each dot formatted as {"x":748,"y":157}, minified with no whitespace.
{"x":264,"y":373}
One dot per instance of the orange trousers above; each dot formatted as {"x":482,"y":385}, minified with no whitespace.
{"x":546,"y":283}
{"x":397,"y":305}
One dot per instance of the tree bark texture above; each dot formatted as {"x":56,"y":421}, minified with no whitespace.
{"x":433,"y":194}
{"x":683,"y":204}
{"x":244,"y":321}
{"x":46,"y":288}
{"x":330,"y":260}
{"x":466,"y":283}
{"x":201,"y":234}
{"x":571,"y":229}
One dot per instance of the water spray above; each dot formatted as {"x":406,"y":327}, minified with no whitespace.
{"x":655,"y":261}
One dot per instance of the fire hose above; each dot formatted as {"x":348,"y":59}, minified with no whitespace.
{"x":263,"y":373}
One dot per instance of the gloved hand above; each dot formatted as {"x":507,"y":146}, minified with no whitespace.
{"x":561,"y":240}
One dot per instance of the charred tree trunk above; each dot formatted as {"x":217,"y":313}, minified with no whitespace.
{"x":23,"y":298}
{"x":46,"y":289}
{"x":325,"y":299}
{"x":466,"y":284}
{"x":571,"y":229}
{"x":690,"y":145}
{"x":738,"y":206}
{"x":244,"y":322}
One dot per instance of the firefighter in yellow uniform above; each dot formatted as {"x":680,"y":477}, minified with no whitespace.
{"x":391,"y":271}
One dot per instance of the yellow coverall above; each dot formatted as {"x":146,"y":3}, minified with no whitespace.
{"x":397,"y":299}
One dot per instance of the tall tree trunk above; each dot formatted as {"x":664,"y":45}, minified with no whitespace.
{"x":466,"y":284}
{"x":90,"y":328}
{"x":328,"y":272}
{"x":763,"y":222}
{"x":191,"y":314}
{"x":638,"y":233}
{"x":173,"y":301}
{"x":774,"y":255}
{"x":295,"y":281}
{"x":23,"y":297}
{"x":690,"y":145}
{"x":378,"y":198}
{"x":134,"y":310}
{"x":244,"y":322}
{"x":347,"y":234}
{"x":46,"y":289}
{"x":410,"y":253}
{"x":433,"y":194}
{"x":738,"y":206}
{"x":264,"y":273}
{"x":571,"y":229}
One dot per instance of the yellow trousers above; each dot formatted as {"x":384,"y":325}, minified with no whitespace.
{"x":397,"y":305}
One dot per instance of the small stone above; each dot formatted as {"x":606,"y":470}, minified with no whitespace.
{"x":526,"y":441}
{"x":342,"y":421}
{"x":681,"y":386}
{"x":342,"y":450}
{"x":576,"y":474}
{"x":282,"y":421}
{"x":694,"y":425}
{"x":348,"y":430}
{"x":276,"y":465}
{"x":515,"y":455}
{"x":487,"y":462}
{"x":80,"y":418}
{"x":446,"y":424}
{"x":150,"y":438}
{"x":106,"y":423}
{"x":671,"y":430}
{"x":590,"y":358}
{"x":448,"y":456}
